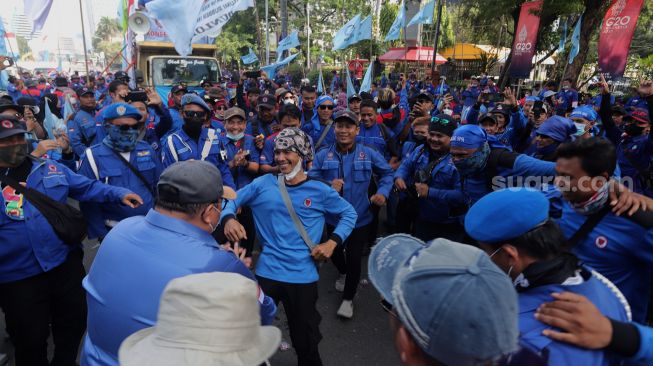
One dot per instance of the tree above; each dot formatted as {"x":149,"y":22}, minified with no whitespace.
{"x":447,"y":37}
{"x":236,"y":37}
{"x":23,"y":47}
{"x":107,"y":28}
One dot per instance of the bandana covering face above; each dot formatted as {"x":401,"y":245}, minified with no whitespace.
{"x":295,"y":140}
{"x":595,"y":203}
{"x":474,"y":163}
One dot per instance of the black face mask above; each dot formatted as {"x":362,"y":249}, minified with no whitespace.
{"x":419,"y":139}
{"x":632,"y":129}
{"x":13,"y":155}
{"x":193,"y":127}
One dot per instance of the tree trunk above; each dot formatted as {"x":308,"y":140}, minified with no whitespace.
{"x":259,"y":37}
{"x":591,"y":20}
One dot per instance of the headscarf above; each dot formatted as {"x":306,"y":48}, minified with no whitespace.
{"x":315,"y":121}
{"x":295,"y":140}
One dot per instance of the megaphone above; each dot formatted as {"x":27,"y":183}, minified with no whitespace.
{"x":139,"y":23}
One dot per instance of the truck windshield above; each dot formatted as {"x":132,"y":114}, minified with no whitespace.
{"x":168,"y":71}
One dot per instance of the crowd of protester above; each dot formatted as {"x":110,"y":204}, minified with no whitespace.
{"x":501,"y":229}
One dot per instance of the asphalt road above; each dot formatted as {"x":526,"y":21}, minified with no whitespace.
{"x":364,"y":340}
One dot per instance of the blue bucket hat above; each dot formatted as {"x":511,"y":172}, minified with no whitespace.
{"x":192,"y":98}
{"x":586,"y":112}
{"x":458,"y":306}
{"x":521,"y":210}
{"x":469,"y":137}
{"x":558,"y":128}
{"x":117,"y":110}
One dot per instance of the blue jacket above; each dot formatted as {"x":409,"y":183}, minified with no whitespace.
{"x":184,"y":148}
{"x":136,"y":261}
{"x":509,"y":137}
{"x":177,"y":120}
{"x":599,"y":290}
{"x":82,"y":131}
{"x":470,"y":96}
{"x":636,"y":102}
{"x":240,"y":174}
{"x":444,"y":186}
{"x":111,"y":170}
{"x":619,"y":249}
{"x":329,"y":139}
{"x":568,"y":97}
{"x":285,"y":257}
{"x":356,"y":168}
{"x":256,"y":127}
{"x":376,"y":137}
{"x":29,"y":244}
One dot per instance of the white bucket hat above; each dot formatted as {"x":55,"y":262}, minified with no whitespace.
{"x":204,"y":319}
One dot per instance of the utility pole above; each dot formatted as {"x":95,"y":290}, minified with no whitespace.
{"x":267,"y":33}
{"x":81,"y":16}
{"x":308,"y":36}
{"x":437,"y":37}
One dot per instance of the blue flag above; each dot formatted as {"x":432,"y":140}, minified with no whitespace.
{"x":350,"y":86}
{"x":575,"y":41}
{"x":346,"y":36}
{"x":366,"y":85}
{"x":67,"y":108}
{"x":3,"y":36}
{"x":320,"y":83}
{"x":51,"y":122}
{"x":424,"y":16}
{"x":397,"y":25}
{"x":249,"y":58}
{"x":563,"y":36}
{"x":271,"y":69}
{"x":292,"y":41}
{"x":364,"y":30}
{"x":178,"y":19}
{"x":37,"y":11}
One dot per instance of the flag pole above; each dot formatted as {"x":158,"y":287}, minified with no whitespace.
{"x":437,"y":37}
{"x":81,"y":16}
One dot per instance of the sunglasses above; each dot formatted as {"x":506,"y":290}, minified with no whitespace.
{"x":128,"y":127}
{"x":325,"y":107}
{"x":442,"y":121}
{"x":221,"y":108}
{"x":387,"y":307}
{"x":195,"y":114}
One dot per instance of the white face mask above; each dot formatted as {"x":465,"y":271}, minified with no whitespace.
{"x":448,"y":112}
{"x":295,"y":170}
{"x":236,"y":137}
{"x":580,"y":129}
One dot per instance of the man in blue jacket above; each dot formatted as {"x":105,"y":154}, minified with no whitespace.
{"x":615,"y":246}
{"x":349,"y":167}
{"x":143,"y":253}
{"x":196,"y":140}
{"x":286,"y":269}
{"x":528,"y":245}
{"x":113,"y":161}
{"x":40,"y":275}
{"x":435,"y":183}
{"x":82,"y":129}
{"x":567,"y":98}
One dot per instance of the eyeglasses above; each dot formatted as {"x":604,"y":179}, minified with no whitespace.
{"x":195,"y":114}
{"x":128,"y":127}
{"x":325,"y":107}
{"x":442,"y":121}
{"x":387,"y":307}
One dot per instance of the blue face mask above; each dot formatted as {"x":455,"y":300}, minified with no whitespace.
{"x":474,"y":163}
{"x":120,"y":140}
{"x":545,"y":151}
{"x":237,"y":137}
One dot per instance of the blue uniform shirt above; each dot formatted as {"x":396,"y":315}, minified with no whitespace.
{"x":634,"y":154}
{"x":444,"y":185}
{"x":620,"y":250}
{"x":111,"y":170}
{"x":82,"y":131}
{"x":177,"y":120}
{"x":328,"y":140}
{"x":256,"y":127}
{"x":356,"y":169}
{"x":285,"y":257}
{"x":240,"y":174}
{"x":29,"y":244}
{"x":184,"y":148}
{"x":566,"y":100}
{"x":134,"y":264}
{"x":600,"y":291}
{"x":375,"y":137}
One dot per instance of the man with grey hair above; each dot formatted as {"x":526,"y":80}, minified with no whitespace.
{"x":142,"y":254}
{"x":289,"y":212}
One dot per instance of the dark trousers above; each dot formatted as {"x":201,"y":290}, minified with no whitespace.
{"x":299,"y":301}
{"x":406,"y":214}
{"x":428,"y":231}
{"x":52,"y":298}
{"x":347,"y":259}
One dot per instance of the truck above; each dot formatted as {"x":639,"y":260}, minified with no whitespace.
{"x":162,"y":68}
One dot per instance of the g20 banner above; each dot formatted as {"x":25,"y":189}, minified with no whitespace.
{"x":523,"y":48}
{"x":617,"y":31}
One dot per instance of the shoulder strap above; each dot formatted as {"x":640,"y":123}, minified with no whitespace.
{"x":588,"y":226}
{"x":92,"y":163}
{"x":293,"y":215}
{"x":323,"y":135}
{"x":138,"y":174}
{"x":171,"y":146}
{"x":207,"y":144}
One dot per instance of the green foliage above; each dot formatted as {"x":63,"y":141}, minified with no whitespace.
{"x":107,"y":28}
{"x":447,"y":36}
{"x":237,"y":36}
{"x":23,"y":47}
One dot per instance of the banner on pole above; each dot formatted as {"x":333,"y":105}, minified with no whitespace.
{"x":523,"y":48}
{"x":616,"y":34}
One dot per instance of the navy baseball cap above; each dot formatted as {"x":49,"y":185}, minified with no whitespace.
{"x":346,"y":115}
{"x":10,"y":126}
{"x":192,"y":98}
{"x":193,"y":181}
{"x":457,"y":305}
{"x":117,"y":110}
{"x":84,"y":91}
{"x":354,"y":96}
{"x":469,"y":137}
{"x":121,"y":75}
{"x":521,"y":210}
{"x":425,"y":94}
{"x":178,"y":88}
{"x":266,"y":100}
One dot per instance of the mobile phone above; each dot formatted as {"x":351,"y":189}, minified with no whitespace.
{"x":136,"y":96}
{"x":253,"y":74}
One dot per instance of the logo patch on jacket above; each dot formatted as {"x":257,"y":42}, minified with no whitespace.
{"x":13,"y":203}
{"x":308,"y":202}
{"x":361,"y":156}
{"x":601,"y":242}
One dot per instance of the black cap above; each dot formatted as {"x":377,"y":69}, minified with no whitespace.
{"x":618,"y":110}
{"x":8,"y":104}
{"x":179,"y":88}
{"x":346,"y":115}
{"x":425,"y":94}
{"x":443,"y":123}
{"x":10,"y":126}
{"x":354,"y":96}
{"x":121,"y":75}
{"x":266,"y":100}
{"x":83,"y":91}
{"x":502,"y":109}
{"x":60,"y":81}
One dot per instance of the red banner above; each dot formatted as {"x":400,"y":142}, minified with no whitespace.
{"x":617,"y":31}
{"x":523,"y":48}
